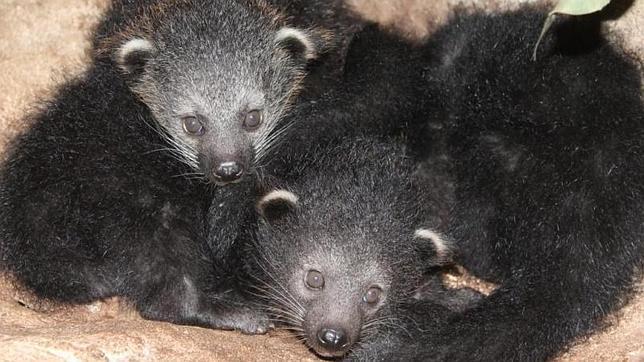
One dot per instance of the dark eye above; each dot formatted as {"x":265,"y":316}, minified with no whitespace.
{"x":314,"y":279}
{"x":372,"y":296}
{"x":252,"y":120}
{"x":192,"y":125}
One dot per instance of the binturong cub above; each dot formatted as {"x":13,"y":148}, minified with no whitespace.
{"x":546,"y":166}
{"x":547,"y":158}
{"x":106,"y":194}
{"x":217,"y":87}
{"x":345,"y":242}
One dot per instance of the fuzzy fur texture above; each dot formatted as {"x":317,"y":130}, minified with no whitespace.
{"x":350,"y":214}
{"x":611,"y":347}
{"x":547,"y":164}
{"x":97,"y":200}
{"x":183,"y":64}
{"x":378,"y":94}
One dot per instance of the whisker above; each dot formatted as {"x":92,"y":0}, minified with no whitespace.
{"x":282,"y":291}
{"x":185,"y":153}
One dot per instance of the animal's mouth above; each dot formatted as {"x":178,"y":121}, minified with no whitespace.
{"x":328,"y":354}
{"x":224,"y":183}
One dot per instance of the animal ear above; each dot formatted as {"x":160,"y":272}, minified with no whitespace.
{"x":276,"y":204}
{"x":302,"y":44}
{"x":132,"y":56}
{"x":433,"y":246}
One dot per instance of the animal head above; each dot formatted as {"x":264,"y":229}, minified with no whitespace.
{"x":217,"y":76}
{"x":335,"y":274}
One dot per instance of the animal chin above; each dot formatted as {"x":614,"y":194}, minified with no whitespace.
{"x":328,"y":354}
{"x":222,"y":183}
{"x":325,"y":352}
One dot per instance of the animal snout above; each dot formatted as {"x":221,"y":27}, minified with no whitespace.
{"x":333,"y":339}
{"x":229,"y":171}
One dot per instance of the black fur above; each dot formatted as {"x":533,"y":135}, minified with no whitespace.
{"x":330,"y":16}
{"x":92,"y":203}
{"x":378,"y":94}
{"x":354,"y":223}
{"x":90,"y":210}
{"x":368,"y":98}
{"x":549,"y":197}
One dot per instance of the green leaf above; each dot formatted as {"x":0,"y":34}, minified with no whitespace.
{"x":568,"y":7}
{"x":578,"y":7}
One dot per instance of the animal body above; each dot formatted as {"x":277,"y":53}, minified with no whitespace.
{"x":365,"y":99}
{"x":371,"y":98}
{"x":107,"y":193}
{"x":548,"y":186}
{"x":345,"y":241}
{"x":343,"y":203}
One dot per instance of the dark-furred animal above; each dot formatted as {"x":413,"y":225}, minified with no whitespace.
{"x":369,"y":98}
{"x":332,"y":20}
{"x":217,"y":88}
{"x":548,"y":186}
{"x":105,"y":194}
{"x":344,"y":241}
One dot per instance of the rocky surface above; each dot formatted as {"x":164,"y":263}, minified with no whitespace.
{"x":32,"y":330}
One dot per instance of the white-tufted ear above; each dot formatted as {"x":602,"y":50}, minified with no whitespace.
{"x":277,"y":203}
{"x":441,"y":246}
{"x":299,"y":43}
{"x":132,"y":56}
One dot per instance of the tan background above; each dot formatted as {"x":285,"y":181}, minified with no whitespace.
{"x":44,"y":41}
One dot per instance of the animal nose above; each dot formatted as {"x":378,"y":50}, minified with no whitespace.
{"x":229,"y":171}
{"x":333,"y":339}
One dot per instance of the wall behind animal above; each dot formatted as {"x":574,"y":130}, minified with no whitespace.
{"x":43,"y":42}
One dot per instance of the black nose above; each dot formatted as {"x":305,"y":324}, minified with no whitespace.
{"x":229,"y":171}
{"x":333,"y":339}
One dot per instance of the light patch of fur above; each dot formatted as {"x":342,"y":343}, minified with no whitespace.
{"x":450,"y":54}
{"x":132,"y":45}
{"x":287,"y":33}
{"x":276,"y":195}
{"x":191,"y":300}
{"x":442,"y":246}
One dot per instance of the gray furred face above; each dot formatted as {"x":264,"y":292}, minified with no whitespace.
{"x":217,"y":76}
{"x":335,"y":279}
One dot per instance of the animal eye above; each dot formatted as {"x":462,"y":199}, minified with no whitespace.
{"x":372,"y":296}
{"x":252,"y":120}
{"x":314,"y":279}
{"x":192,"y":125}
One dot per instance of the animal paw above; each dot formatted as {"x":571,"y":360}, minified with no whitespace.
{"x":248,"y":322}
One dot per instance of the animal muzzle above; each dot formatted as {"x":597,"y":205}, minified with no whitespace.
{"x":223,"y":169}
{"x":228,"y":171}
{"x":332,"y":342}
